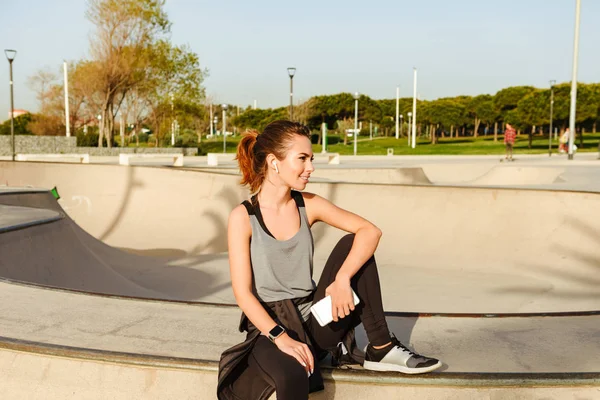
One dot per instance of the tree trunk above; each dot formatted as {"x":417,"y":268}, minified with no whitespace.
{"x":477,"y":122}
{"x":581,"y":137}
{"x":530,"y":137}
{"x":594,"y":127}
{"x":451,"y":131}
{"x":101,"y":124}
{"x":463,"y":131}
{"x":109,"y":126}
{"x":432,"y":132}
{"x":495,"y":131}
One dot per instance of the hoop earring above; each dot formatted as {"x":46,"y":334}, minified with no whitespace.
{"x":276,"y":169}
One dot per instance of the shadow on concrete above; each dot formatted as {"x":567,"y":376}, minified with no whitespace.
{"x":131,"y":185}
{"x":580,"y":275}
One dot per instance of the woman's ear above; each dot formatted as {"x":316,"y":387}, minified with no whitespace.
{"x":271,"y":161}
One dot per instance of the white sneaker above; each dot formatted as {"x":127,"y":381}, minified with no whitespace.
{"x":398,"y":358}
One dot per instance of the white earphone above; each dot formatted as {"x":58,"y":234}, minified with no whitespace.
{"x":275,"y":165}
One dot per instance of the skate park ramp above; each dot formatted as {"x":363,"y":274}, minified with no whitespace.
{"x":479,"y":250}
{"x":56,"y":252}
{"x":464,"y":174}
{"x":406,"y":176}
{"x":501,"y":262}
{"x":520,"y":176}
{"x":403,"y":176}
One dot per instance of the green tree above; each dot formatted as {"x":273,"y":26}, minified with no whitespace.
{"x":21,"y":125}
{"x":125,"y":30}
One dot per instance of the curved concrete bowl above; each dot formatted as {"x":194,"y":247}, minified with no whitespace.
{"x":158,"y":233}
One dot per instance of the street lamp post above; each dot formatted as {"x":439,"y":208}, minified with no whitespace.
{"x":401,"y":118}
{"x":67,"y":119}
{"x":552,"y":82}
{"x":210,"y":118}
{"x":10,"y":56}
{"x":409,"y":127}
{"x":224,"y":128}
{"x":356,"y":96}
{"x":414,"y":110}
{"x":397,"y":111}
{"x":172,"y":121}
{"x":574,"y":82}
{"x":291,"y":73}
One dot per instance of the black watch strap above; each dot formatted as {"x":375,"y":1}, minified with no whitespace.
{"x":276,"y":332}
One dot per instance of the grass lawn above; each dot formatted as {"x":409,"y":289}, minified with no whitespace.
{"x":445,"y":146}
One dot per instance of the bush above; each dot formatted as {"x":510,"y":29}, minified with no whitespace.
{"x":91,"y":140}
{"x":187,"y":139}
{"x":143,"y":137}
{"x":333,"y":139}
{"x":216,"y":147}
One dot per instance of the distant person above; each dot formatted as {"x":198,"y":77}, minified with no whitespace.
{"x":509,"y":141}
{"x":564,"y":142}
{"x":271,"y":264}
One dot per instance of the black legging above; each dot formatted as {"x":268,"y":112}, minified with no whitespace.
{"x":284,"y":372}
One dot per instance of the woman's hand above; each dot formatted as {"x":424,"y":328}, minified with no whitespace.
{"x":342,"y":301}
{"x":298,"y":350}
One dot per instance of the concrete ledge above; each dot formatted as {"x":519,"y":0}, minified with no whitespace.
{"x":330,"y":158}
{"x":80,"y":158}
{"x":124,"y":158}
{"x":32,"y":369}
{"x":213,"y":159}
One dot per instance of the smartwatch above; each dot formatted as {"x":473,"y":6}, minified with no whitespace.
{"x":276,"y":332}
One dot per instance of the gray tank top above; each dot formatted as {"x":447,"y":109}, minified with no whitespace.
{"x":282,"y":269}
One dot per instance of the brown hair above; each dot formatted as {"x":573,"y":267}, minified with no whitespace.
{"x":253,"y":149}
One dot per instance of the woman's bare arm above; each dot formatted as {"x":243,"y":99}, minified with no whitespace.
{"x":365,"y":243}
{"x":367,"y":234}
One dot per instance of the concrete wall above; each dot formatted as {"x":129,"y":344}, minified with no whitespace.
{"x":37,"y":376}
{"x":26,"y":144}
{"x":38,"y":144}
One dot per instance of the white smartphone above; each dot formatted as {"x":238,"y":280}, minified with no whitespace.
{"x":322,"y":309}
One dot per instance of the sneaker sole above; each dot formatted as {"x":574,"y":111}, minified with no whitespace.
{"x":378,"y":366}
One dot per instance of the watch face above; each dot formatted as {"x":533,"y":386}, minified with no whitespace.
{"x":278,"y":330}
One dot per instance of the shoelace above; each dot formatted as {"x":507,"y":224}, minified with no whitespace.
{"x":402,"y":347}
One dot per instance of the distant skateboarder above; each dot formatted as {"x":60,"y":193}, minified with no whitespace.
{"x":509,"y":141}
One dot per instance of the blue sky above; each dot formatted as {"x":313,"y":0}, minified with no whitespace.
{"x":459,"y":47}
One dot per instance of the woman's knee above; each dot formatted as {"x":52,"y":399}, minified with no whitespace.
{"x":344,"y":244}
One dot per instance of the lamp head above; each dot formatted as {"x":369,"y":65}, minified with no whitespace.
{"x":356,"y":95}
{"x":291,"y":71}
{"x":10,"y":54}
{"x":225,"y":106}
{"x":409,"y":114}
